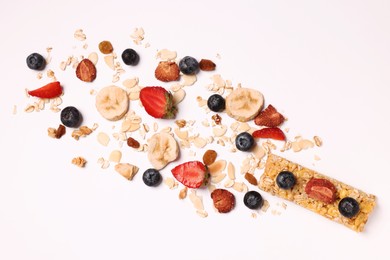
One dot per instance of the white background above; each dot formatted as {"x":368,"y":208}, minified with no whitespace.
{"x":324,"y":64}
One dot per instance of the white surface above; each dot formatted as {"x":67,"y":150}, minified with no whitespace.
{"x":324,"y":64}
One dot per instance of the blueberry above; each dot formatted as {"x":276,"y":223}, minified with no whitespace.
{"x":35,"y":61}
{"x":189,"y":65}
{"x":216,"y":103}
{"x":253,"y":200}
{"x":130,"y":57}
{"x":151,"y":177}
{"x":285,"y":180}
{"x":244,"y":141}
{"x":70,"y":117}
{"x":349,"y":207}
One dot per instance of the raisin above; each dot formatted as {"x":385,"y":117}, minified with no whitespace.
{"x":105,"y":47}
{"x":60,"y":131}
{"x":206,"y":65}
{"x":133,"y":143}
{"x":209,"y":157}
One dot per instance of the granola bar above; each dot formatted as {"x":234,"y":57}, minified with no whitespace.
{"x":275,"y":164}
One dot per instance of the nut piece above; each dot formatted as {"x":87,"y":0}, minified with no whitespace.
{"x":126,"y":170}
{"x":321,"y":189}
{"x":86,"y":71}
{"x":133,"y":143}
{"x":251,"y":179}
{"x":217,"y":119}
{"x":183,"y":193}
{"x":167,"y":71}
{"x":223,"y":200}
{"x":206,"y":65}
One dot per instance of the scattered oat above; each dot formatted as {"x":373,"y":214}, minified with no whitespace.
{"x":182,"y":134}
{"x":178,"y":96}
{"x":155,"y":127}
{"x":166,"y":55}
{"x":48,"y":58}
{"x":79,"y":161}
{"x":138,"y":35}
{"x":231,"y":171}
{"x":166,"y":129}
{"x":254,"y":215}
{"x":243,"y":127}
{"x":103,"y":138}
{"x":201,"y":102}
{"x":200,"y":142}
{"x":259,"y":152}
{"x":79,"y":35}
{"x":217,"y":167}
{"x":109,"y":60}
{"x":265,"y":206}
{"x":217,"y":178}
{"x":93,"y":56}
{"x":130,"y":83}
{"x":171,"y":183}
{"x":104,"y":164}
{"x":228,"y":183}
{"x":196,"y":200}
{"x":188,"y":80}
{"x":202,"y":213}
{"x":115,"y":156}
{"x":205,"y":123}
{"x":317,"y":158}
{"x":317,"y":141}
{"x":219,"y":130}
{"x":301,"y":144}
{"x":240,"y":187}
{"x":14,"y":110}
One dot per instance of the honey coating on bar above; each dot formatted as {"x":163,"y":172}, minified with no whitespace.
{"x":276,"y":164}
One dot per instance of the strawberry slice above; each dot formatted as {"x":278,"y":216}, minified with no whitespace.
{"x":50,"y":90}
{"x":271,"y":132}
{"x":158,"y":102}
{"x":269,"y":117}
{"x":192,"y":174}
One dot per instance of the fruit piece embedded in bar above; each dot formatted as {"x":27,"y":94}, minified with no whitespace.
{"x":352,"y":212}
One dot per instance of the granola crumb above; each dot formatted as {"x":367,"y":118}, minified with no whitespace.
{"x":79,"y":161}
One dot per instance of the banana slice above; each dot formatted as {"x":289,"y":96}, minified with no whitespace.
{"x":243,"y":104}
{"x":162,"y":150}
{"x":112,"y":102}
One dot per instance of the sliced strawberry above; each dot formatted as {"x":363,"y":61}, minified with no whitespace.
{"x":191,"y":174}
{"x":272,"y":133}
{"x":158,"y":102}
{"x":50,"y":90}
{"x":269,"y":117}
